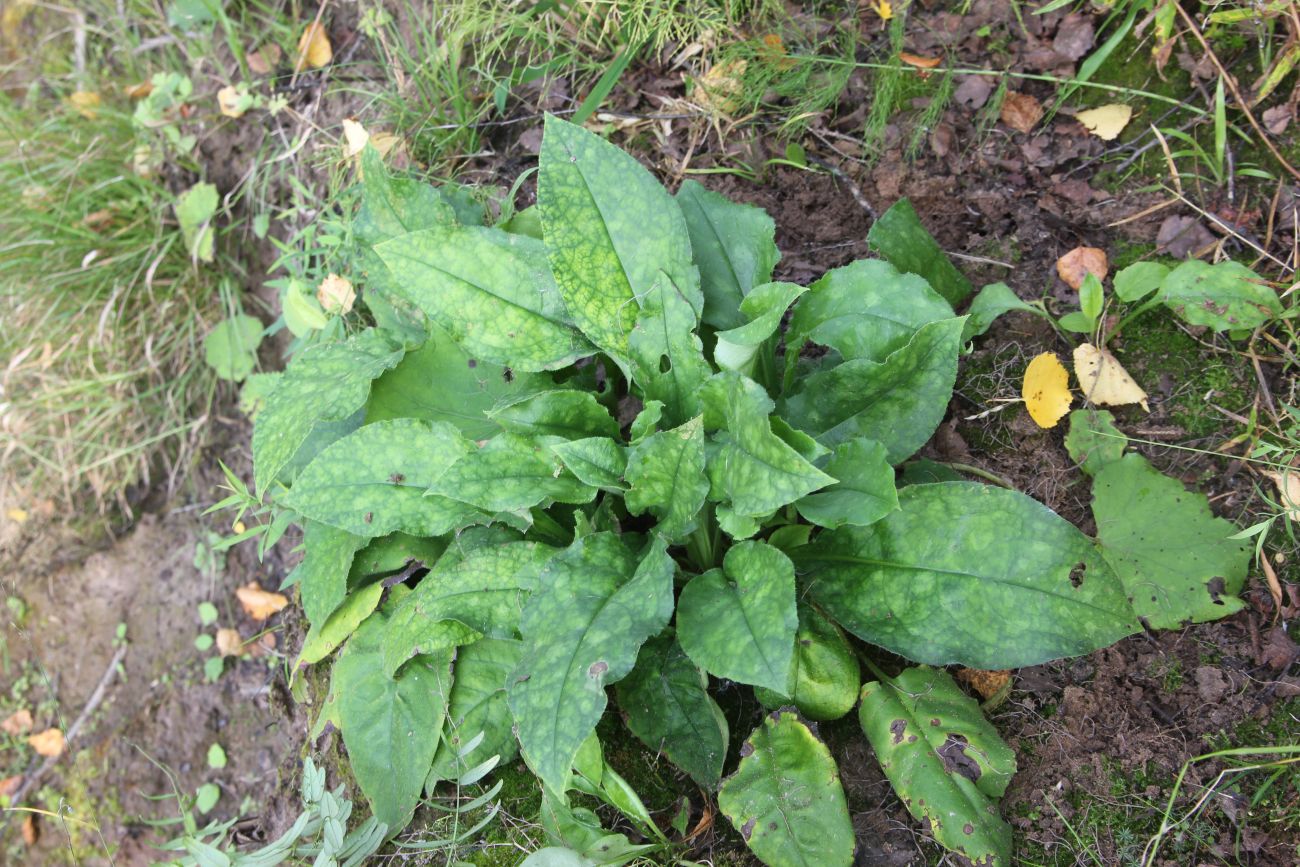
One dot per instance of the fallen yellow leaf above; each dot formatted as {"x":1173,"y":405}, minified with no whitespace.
{"x":231,"y":101}
{"x":1288,"y":489}
{"x":987,"y":683}
{"x":336,"y":295}
{"x":259,"y":604}
{"x":17,"y":515}
{"x":1046,"y":390}
{"x":1077,"y":264}
{"x":86,"y":103}
{"x":314,"y":48}
{"x":918,"y":61}
{"x":17,"y":723}
{"x":1104,"y":380}
{"x":355,"y":137}
{"x":718,"y":88}
{"x":229,"y":642}
{"x":48,"y":743}
{"x":1106,"y":122}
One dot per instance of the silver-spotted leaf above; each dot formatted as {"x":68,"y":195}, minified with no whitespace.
{"x":667,"y":357}
{"x":1226,"y":296}
{"x":899,"y":236}
{"x":563,"y":412}
{"x":478,"y":707}
{"x":825,"y":677}
{"x":509,"y":473}
{"x":864,"y":492}
{"x":596,"y":461}
{"x":665,"y":472}
{"x":734,"y":247}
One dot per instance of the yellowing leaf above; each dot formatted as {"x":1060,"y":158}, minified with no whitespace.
{"x":17,"y":515}
{"x":229,"y":642}
{"x":718,"y":89}
{"x":1046,"y":390}
{"x":231,"y":102}
{"x":1288,"y":489}
{"x":48,"y":743}
{"x":1104,"y":380}
{"x":85,"y":102}
{"x":1106,"y":122}
{"x":137,"y":91}
{"x":355,"y":137}
{"x":918,"y":61}
{"x":1077,"y":264}
{"x":259,"y":604}
{"x":336,"y":294}
{"x":314,"y":49}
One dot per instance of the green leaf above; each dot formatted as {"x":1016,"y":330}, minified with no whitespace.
{"x":478,"y":706}
{"x":667,"y":705}
{"x":899,"y":236}
{"x":734,"y":247}
{"x":646,"y":421}
{"x":1076,"y":322}
{"x":566,"y":413}
{"x":1175,"y":558}
{"x":1225,"y":296}
{"x":325,"y":383}
{"x":864,"y":310}
{"x":666,"y":474}
{"x":739,"y":621}
{"x":1093,"y":441}
{"x":482,"y":594}
{"x":596,"y":461}
{"x":610,"y":229}
{"x":825,"y":677}
{"x":325,"y":638}
{"x":991,"y":302}
{"x":753,"y":468}
{"x":509,"y":473}
{"x":206,"y":797}
{"x":763,"y":308}
{"x":943,"y":759}
{"x":899,"y":402}
{"x":667,"y":358}
{"x":302,"y":312}
{"x":390,"y":726}
{"x":786,"y":800}
{"x":216,"y":757}
{"x":393,"y":205}
{"x":195,"y":209}
{"x":230,"y":348}
{"x":390,"y":554}
{"x":968,"y":573}
{"x":1139,"y":280}
{"x":490,"y":290}
{"x":323,"y":573}
{"x":864,"y":493}
{"x":1091,"y":296}
{"x":374,"y":481}
{"x":441,"y":382}
{"x":594,"y":607}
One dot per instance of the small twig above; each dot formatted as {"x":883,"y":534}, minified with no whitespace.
{"x":848,"y":182}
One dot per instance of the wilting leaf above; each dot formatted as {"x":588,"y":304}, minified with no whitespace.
{"x":1106,"y":122}
{"x":1103,"y":380}
{"x":324,"y":639}
{"x":314,"y":50}
{"x":1046,"y":390}
{"x":944,"y":760}
{"x":336,"y":295}
{"x":968,"y":573}
{"x":785,"y":798}
{"x":1175,"y":558}
{"x":739,"y":621}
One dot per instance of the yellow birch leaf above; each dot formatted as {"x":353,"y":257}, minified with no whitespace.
{"x":85,"y":102}
{"x":1106,"y":122}
{"x":1046,"y":390}
{"x":1104,"y":380}
{"x":1288,"y":489}
{"x":48,"y":743}
{"x":314,"y":48}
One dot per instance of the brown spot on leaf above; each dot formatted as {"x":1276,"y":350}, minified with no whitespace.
{"x":747,"y":829}
{"x":1077,"y":573}
{"x":968,"y":828}
{"x":954,"y":758}
{"x":896,"y":728}
{"x":370,"y":517}
{"x":598,"y":668}
{"x":746,"y":749}
{"x":1216,"y":587}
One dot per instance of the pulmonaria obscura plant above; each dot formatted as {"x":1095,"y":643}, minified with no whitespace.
{"x":571,"y":456}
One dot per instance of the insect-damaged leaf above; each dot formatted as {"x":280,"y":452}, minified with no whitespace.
{"x":390,"y":726}
{"x":490,"y":290}
{"x":667,"y":705}
{"x":1175,"y":558}
{"x":478,"y":706}
{"x":374,"y":481}
{"x":667,"y":358}
{"x":1226,"y":296}
{"x":594,"y":607}
{"x":944,"y":760}
{"x":666,"y":474}
{"x":968,"y":573}
{"x":734,"y":248}
{"x":610,"y":229}
{"x":325,"y":383}
{"x":739,"y":621}
{"x":785,"y":798}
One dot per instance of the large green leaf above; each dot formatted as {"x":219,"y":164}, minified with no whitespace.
{"x":742,"y":348}
{"x":865,"y":491}
{"x":786,"y":800}
{"x":594,"y":607}
{"x":562,"y":412}
{"x":325,"y":383}
{"x":667,"y":358}
{"x":322,"y":576}
{"x":898,"y":402}
{"x":945,"y":761}
{"x":899,"y":236}
{"x":972,"y":574}
{"x":866,"y":309}
{"x":825,"y":677}
{"x":490,"y":290}
{"x":667,"y":705}
{"x":610,"y":229}
{"x":441,"y":382}
{"x":509,"y":473}
{"x":753,"y":469}
{"x":596,"y":461}
{"x":478,"y":707}
{"x":739,"y":621}
{"x":393,"y":205}
{"x":1226,"y":296}
{"x":374,"y":481}
{"x":734,"y":247}
{"x":390,"y":726}
{"x":482,"y":594}
{"x":666,"y":474}
{"x":1175,"y":558}
{"x":387,"y":555}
